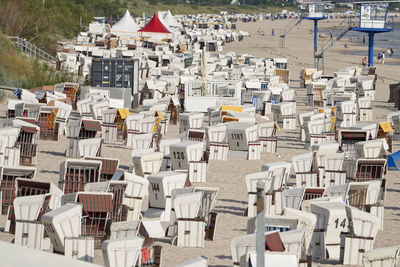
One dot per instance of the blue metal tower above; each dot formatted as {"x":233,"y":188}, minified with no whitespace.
{"x":373,"y":17}
{"x":316,"y":12}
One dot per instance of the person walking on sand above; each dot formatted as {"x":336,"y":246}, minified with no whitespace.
{"x":364,"y":62}
{"x":383,"y":58}
{"x":273,"y":32}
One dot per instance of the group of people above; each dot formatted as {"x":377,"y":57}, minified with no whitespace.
{"x":387,"y":53}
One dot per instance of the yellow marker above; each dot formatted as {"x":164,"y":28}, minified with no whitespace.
{"x":333,"y":123}
{"x":277,"y":126}
{"x":160,"y":115}
{"x":386,"y":127}
{"x":155,"y":127}
{"x":124,"y":112}
{"x":228,"y":119}
{"x":232,"y":108}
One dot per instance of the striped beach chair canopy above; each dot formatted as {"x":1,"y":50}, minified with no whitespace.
{"x":91,"y":125}
{"x":95,"y":202}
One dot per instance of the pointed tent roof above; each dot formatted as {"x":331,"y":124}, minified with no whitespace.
{"x":155,"y":25}
{"x":125,"y":26}
{"x":170,"y":20}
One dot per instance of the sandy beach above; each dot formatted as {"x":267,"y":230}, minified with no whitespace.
{"x":229,"y":175}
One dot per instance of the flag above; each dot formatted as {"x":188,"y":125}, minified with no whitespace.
{"x":110,"y":22}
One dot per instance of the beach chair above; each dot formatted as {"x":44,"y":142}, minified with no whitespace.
{"x":303,"y":167}
{"x":97,"y":208}
{"x":240,"y":134}
{"x":315,"y":94}
{"x":147,"y":125}
{"x":27,"y":143}
{"x":30,"y":187}
{"x":132,"y":126}
{"x":315,"y":132}
{"x":190,"y":230}
{"x":340,"y":191}
{"x":363,"y":229}
{"x":163,"y":146}
{"x":118,"y":189}
{"x":293,"y":241}
{"x":306,"y":221}
{"x":89,"y":148}
{"x":347,"y":139}
{"x":136,"y":190}
{"x":368,"y":149}
{"x":29,"y":232}
{"x":108,"y":167}
{"x":108,"y":125}
{"x":363,"y":223}
{"x":69,"y":89}
{"x":79,"y":248}
{"x":190,"y":121}
{"x":284,"y":114}
{"x":271,"y":167}
{"x":62,"y":222}
{"x":47,"y":123}
{"x":75,"y":174}
{"x":302,"y":119}
{"x":381,"y":257}
{"x":160,"y":189}
{"x":77,"y":130}
{"x":122,"y":252}
{"x":331,"y":221}
{"x":267,"y":137}
{"x":370,"y":127}
{"x":97,"y":109}
{"x":369,"y":169}
{"x":365,"y":111}
{"x":83,"y":108}
{"x":251,"y":184}
{"x":346,"y":113}
{"x":186,"y":153}
{"x":208,"y":200}
{"x":8,"y":139}
{"x":141,"y":142}
{"x":333,"y":171}
{"x":196,"y":262}
{"x":125,"y":229}
{"x":8,"y":176}
{"x":146,"y":162}
{"x":64,"y":111}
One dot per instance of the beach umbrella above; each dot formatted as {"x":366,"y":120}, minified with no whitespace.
{"x":204,"y":71}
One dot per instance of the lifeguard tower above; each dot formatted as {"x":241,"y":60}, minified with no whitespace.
{"x":373,"y":17}
{"x":316,"y":12}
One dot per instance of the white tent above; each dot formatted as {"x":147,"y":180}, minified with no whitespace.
{"x":125,"y":27}
{"x":170,"y":20}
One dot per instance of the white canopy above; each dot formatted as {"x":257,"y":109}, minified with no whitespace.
{"x":170,"y":20}
{"x":126,"y":26}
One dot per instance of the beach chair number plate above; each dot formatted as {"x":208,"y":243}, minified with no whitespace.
{"x":342,"y":224}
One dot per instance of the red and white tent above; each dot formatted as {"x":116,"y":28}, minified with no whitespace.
{"x":156,"y":28}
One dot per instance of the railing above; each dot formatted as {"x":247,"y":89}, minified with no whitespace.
{"x":32,"y":50}
{"x":290,"y":27}
{"x":328,"y":42}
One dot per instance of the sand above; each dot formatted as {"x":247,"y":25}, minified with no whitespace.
{"x":229,"y":176}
